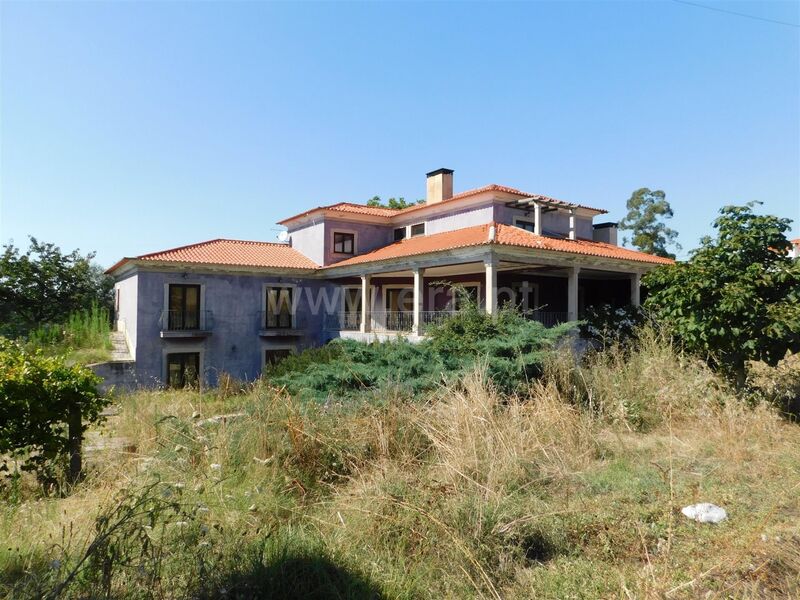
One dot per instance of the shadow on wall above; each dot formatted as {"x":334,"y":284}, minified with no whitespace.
{"x":289,"y":577}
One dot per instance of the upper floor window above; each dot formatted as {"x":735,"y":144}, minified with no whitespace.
{"x":183,"y":311}
{"x":344,"y":243}
{"x":399,"y":234}
{"x":418,"y":229}
{"x":280,"y":307}
{"x":527,"y":225}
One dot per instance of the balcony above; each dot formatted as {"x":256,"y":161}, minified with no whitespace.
{"x":185,"y":323}
{"x":281,"y":325}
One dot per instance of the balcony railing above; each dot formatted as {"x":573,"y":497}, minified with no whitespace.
{"x":392,"y":320}
{"x":186,"y":320}
{"x":548,"y":318}
{"x":271,"y":324}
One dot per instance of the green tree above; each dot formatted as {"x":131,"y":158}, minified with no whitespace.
{"x":647,"y":211}
{"x":395,"y":203}
{"x":44,"y":285}
{"x":44,"y":408}
{"x":737,"y":298}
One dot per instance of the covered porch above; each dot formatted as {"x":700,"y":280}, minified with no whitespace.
{"x":385,"y":302}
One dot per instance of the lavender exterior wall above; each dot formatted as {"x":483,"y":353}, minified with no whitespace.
{"x":126,"y":291}
{"x":553,"y":222}
{"x":460,"y":219}
{"x":234,"y":345}
{"x":368,"y":237}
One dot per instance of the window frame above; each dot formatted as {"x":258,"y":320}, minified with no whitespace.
{"x":353,"y":238}
{"x":184,"y":352}
{"x":290,"y":348}
{"x":201,"y":303}
{"x":265,"y":288}
{"x":404,"y":235}
{"x":411,"y":233}
{"x":528,"y":221}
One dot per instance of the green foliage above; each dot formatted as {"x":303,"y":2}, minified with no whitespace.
{"x":512,"y":347}
{"x":610,"y":325}
{"x":647,"y":210}
{"x":395,"y":203}
{"x":44,"y":285}
{"x":84,"y":330}
{"x":737,"y":298}
{"x":37,"y":395}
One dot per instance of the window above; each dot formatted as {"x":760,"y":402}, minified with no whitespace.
{"x":344,"y":243}
{"x":184,"y":307}
{"x":399,"y":234}
{"x":526,"y":225}
{"x":279,"y":310}
{"x":469,"y":294}
{"x":418,"y":229}
{"x":399,"y":299}
{"x":182,"y":369}
{"x":275,"y":355}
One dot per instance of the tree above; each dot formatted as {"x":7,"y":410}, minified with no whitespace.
{"x":44,"y":285}
{"x":738,"y":296}
{"x":395,"y":203}
{"x":647,"y":210}
{"x":44,"y":407}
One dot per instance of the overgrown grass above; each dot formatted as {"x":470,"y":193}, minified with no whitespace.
{"x":569,"y":488}
{"x":84,"y":338}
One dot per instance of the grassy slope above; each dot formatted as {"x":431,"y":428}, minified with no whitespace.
{"x":573,"y":491}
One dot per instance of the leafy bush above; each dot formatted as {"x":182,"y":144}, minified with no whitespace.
{"x":39,"y":397}
{"x":84,"y":329}
{"x":512,"y":347}
{"x":608,"y":325}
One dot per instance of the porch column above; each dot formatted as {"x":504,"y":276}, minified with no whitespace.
{"x":572,"y":224}
{"x":537,"y":219}
{"x":636,"y":281}
{"x":365,"y":304}
{"x":490,"y":265}
{"x":572,"y":293}
{"x":419,"y":285}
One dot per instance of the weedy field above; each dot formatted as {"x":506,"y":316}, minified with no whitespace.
{"x":569,"y":489}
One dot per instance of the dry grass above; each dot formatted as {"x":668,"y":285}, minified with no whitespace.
{"x":572,"y":490}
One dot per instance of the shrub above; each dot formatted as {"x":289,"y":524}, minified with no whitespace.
{"x":44,"y":405}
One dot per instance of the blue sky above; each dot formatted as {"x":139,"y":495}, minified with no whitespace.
{"x":133,"y":127}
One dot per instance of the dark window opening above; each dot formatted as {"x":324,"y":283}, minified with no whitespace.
{"x":468,"y":294}
{"x":184,"y":307}
{"x":526,"y":225}
{"x":399,"y":300}
{"x":275,"y":355}
{"x":418,"y":229}
{"x":183,"y":369}
{"x":399,"y":234}
{"x":344,"y":243}
{"x":280,"y":308}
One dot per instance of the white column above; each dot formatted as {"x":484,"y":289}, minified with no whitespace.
{"x":365,"y":304}
{"x":537,"y":219}
{"x":636,"y":281}
{"x":490,"y":265}
{"x":419,"y":285}
{"x":572,"y":293}
{"x":572,"y":224}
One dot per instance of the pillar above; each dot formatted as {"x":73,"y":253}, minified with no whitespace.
{"x":572,"y":293}
{"x":636,"y":281}
{"x":365,"y":304}
{"x":490,"y":265}
{"x":419,"y":286}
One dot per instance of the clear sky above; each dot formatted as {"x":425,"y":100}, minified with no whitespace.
{"x":133,"y":127}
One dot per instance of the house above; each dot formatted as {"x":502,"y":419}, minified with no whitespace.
{"x":795,"y":251}
{"x":356,"y":271}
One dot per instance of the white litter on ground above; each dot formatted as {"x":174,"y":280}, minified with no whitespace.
{"x":705,"y":512}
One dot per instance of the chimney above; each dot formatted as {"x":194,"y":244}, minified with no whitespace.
{"x":605,"y":232}
{"x":440,"y":186}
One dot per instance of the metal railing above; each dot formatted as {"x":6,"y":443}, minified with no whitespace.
{"x":548,"y":318}
{"x":186,"y":320}
{"x":392,"y":320}
{"x":270,"y":320}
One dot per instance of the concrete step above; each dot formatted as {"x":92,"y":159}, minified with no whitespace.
{"x":119,"y":350}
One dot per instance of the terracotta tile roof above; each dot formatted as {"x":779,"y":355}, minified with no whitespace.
{"x":238,"y":253}
{"x":505,"y":235}
{"x":376,"y":211}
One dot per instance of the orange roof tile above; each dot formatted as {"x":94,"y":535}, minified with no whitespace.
{"x":378,"y":211}
{"x":238,"y":253}
{"x":505,"y":235}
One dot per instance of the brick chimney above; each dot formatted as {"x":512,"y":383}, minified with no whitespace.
{"x":440,"y":186}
